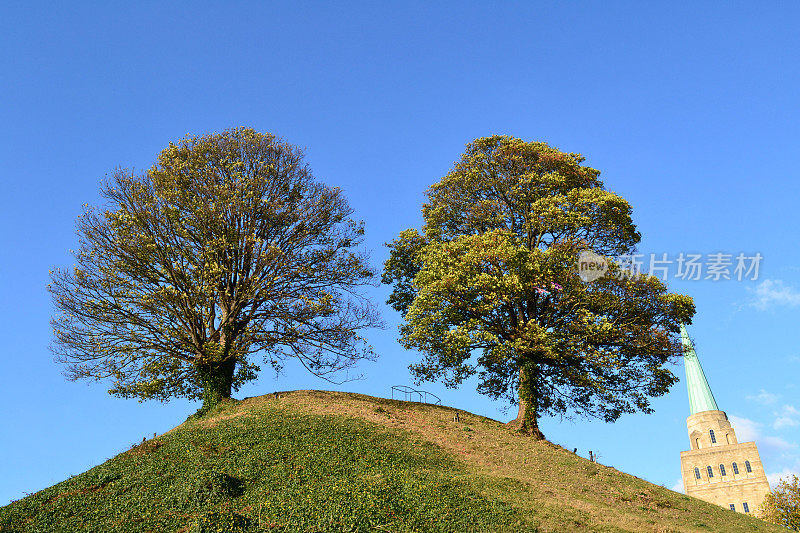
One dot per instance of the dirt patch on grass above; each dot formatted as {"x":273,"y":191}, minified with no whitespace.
{"x":145,"y":447}
{"x":75,"y":492}
{"x":216,"y":419}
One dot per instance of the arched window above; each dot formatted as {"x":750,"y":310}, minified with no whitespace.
{"x":746,"y":507}
{"x":735,"y":468}
{"x":710,"y":471}
{"x":713,"y":438}
{"x":696,"y":473}
{"x":747,"y":466}
{"x":722,"y":469}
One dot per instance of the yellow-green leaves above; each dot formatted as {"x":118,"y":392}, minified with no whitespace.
{"x":490,"y":286}
{"x":226,"y":247}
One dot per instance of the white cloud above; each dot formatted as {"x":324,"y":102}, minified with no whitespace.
{"x":775,"y":477}
{"x":785,"y":421}
{"x":775,"y":443}
{"x":763,"y":397}
{"x":776,"y":449}
{"x":791,"y":410}
{"x":748,"y":430}
{"x":773,"y":292}
{"x":678,"y":486}
{"x":788,"y":416}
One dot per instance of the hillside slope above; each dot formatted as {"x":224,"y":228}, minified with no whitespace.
{"x":331,"y":461}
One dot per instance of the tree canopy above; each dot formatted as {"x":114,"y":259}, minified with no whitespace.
{"x":489,"y":286}
{"x":225,"y":248}
{"x":782,"y":506}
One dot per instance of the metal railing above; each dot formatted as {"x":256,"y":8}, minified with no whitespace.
{"x":409,"y":394}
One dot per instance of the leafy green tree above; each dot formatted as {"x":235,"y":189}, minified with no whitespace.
{"x":782,"y":506}
{"x":490,"y":287}
{"x":225,"y":248}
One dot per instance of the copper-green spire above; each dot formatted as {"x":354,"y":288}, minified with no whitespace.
{"x":700,"y":397}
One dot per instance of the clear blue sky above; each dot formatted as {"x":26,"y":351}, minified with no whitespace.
{"x":690,"y":113}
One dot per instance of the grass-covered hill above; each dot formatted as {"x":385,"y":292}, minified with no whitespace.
{"x":330,"y":461}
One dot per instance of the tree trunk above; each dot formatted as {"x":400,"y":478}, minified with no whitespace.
{"x":217,"y":379}
{"x":527,"y":420}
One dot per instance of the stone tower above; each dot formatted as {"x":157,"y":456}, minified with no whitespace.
{"x":718,"y":468}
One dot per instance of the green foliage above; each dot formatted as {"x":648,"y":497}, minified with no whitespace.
{"x":101,"y":476}
{"x":782,"y":506}
{"x":207,"y":487}
{"x":222,"y":522}
{"x":215,"y":408}
{"x":490,"y":287}
{"x":226,"y":247}
{"x":387,"y":494}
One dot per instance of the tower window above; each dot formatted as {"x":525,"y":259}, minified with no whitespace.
{"x":747,"y":466}
{"x":746,"y":507}
{"x":722,"y":469}
{"x":733,"y":507}
{"x":713,"y":437}
{"x":696,"y":473}
{"x":710,"y":471}
{"x":735,"y":468}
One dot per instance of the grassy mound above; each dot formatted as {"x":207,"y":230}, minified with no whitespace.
{"x":323,"y":461}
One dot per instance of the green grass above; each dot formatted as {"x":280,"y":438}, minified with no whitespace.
{"x":280,"y":471}
{"x":314,"y":461}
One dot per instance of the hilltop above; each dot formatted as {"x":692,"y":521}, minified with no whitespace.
{"x":333,"y":461}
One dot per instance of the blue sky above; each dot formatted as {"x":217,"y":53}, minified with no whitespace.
{"x":689,"y":112}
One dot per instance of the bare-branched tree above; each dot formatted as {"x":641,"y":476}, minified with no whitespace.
{"x":225,"y":248}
